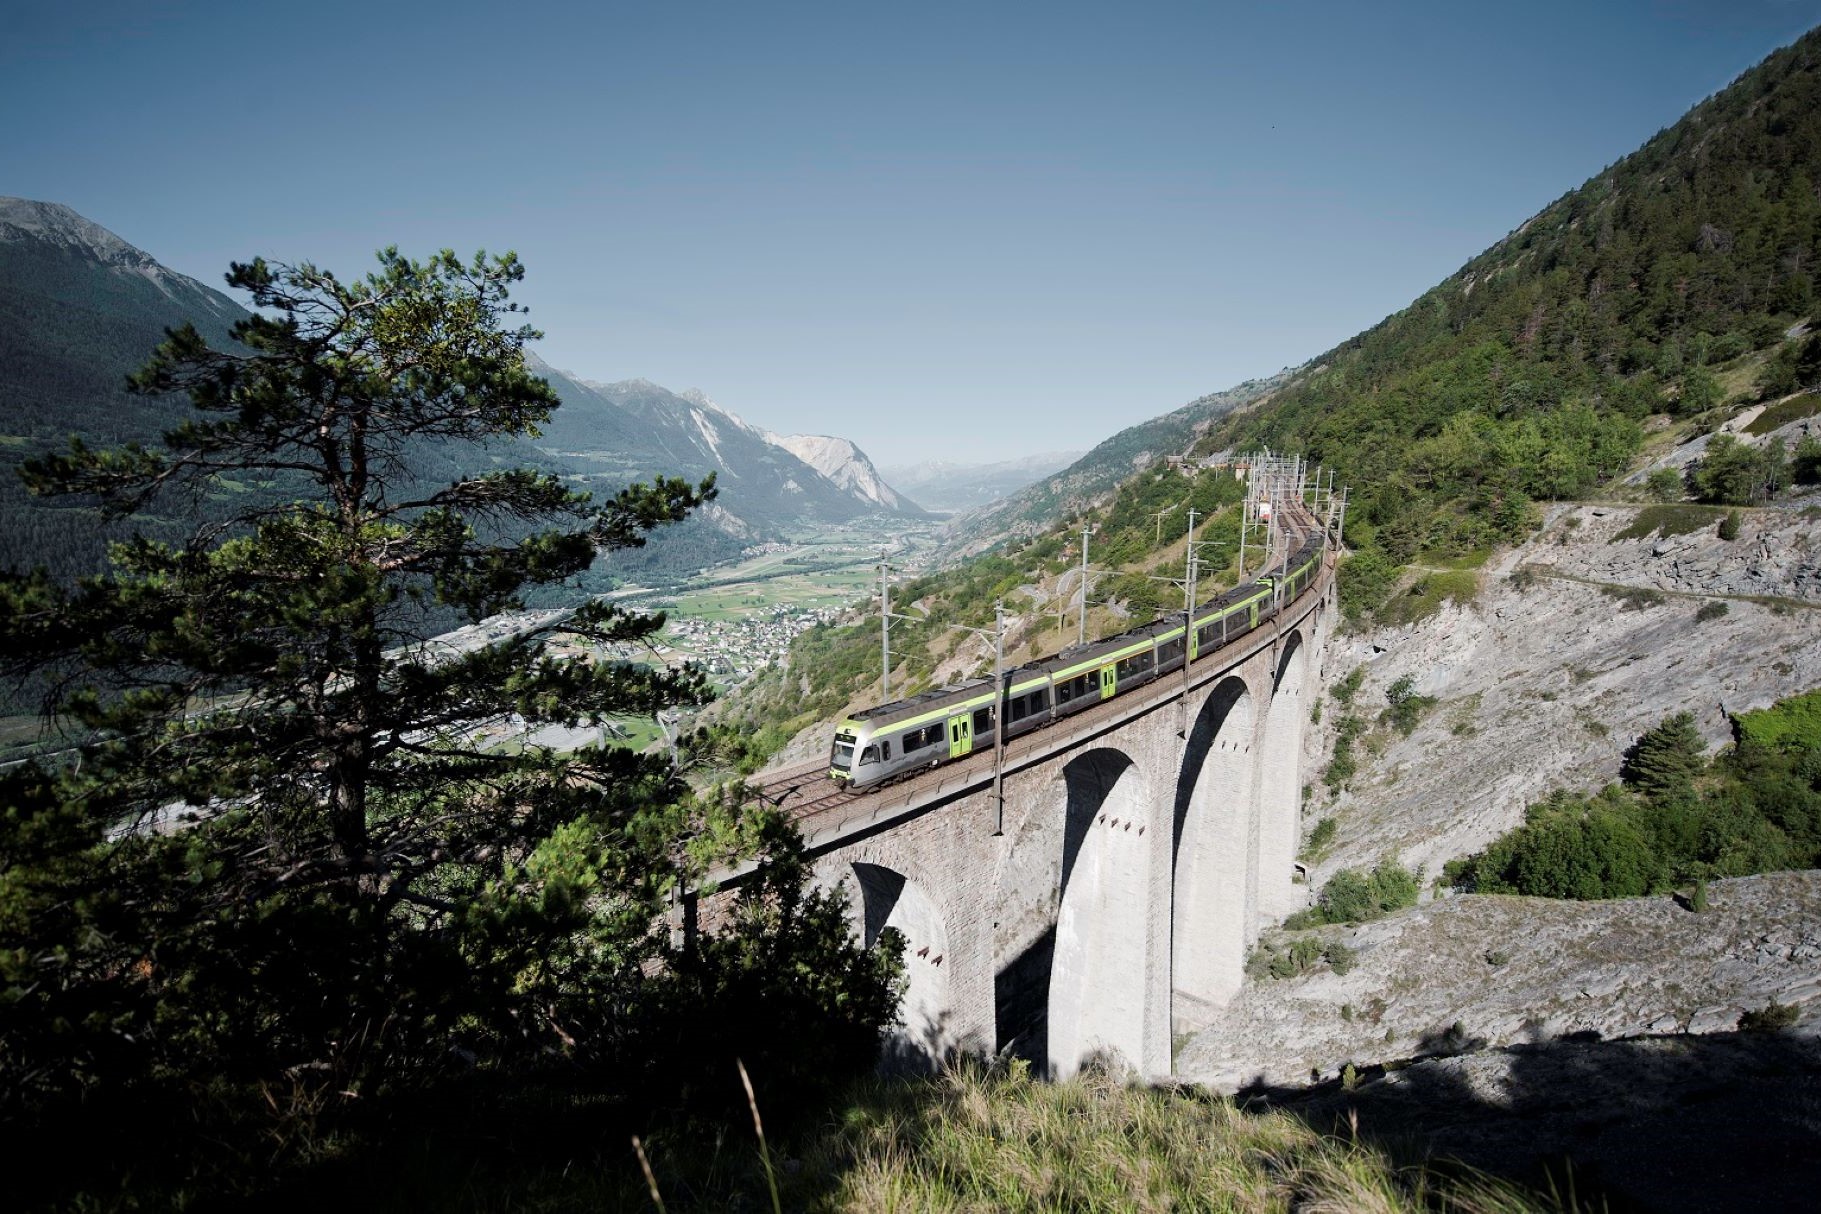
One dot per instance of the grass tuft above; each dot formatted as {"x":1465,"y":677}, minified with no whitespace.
{"x":1666,"y":520}
{"x":1784,"y":412}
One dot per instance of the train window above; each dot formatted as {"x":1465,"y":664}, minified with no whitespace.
{"x":869,"y":755}
{"x":917,"y":739}
{"x":885,"y":749}
{"x":983,"y":719}
{"x":1040,"y":699}
{"x":842,"y":757}
{"x":1137,"y":664}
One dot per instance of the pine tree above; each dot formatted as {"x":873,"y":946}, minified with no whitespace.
{"x":1663,"y":763}
{"x":319,"y":861}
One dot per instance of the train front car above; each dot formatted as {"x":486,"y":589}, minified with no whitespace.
{"x":886,"y":743}
{"x":848,"y":736}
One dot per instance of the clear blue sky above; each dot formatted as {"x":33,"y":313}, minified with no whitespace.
{"x":965,"y":232}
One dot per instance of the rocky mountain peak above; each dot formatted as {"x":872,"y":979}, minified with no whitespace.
{"x":55,"y":225}
{"x":846,"y":465}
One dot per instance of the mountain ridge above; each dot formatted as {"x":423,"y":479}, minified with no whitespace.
{"x":81,"y":309}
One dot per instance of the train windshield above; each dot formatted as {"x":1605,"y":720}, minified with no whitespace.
{"x":842,"y":756}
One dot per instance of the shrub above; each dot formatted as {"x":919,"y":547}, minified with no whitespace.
{"x":1344,"y":691}
{"x":1711,"y":610}
{"x":1634,"y":598}
{"x":1805,"y":464}
{"x":1296,"y":960}
{"x":1569,"y":848}
{"x":1406,"y":708}
{"x":1664,"y":485}
{"x":1697,"y":899}
{"x":1729,"y":526}
{"x":1339,"y":956}
{"x":1351,"y":896}
{"x":1342,"y":765}
{"x":1321,"y":837}
{"x":1773,"y":1017}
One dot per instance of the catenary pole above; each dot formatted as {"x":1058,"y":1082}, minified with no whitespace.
{"x":999,"y":718}
{"x":885,"y":629}
{"x":1081,"y":638}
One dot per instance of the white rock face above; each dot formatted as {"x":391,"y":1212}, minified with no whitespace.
{"x":1544,"y":687}
{"x":844,"y":464}
{"x":1512,"y":970}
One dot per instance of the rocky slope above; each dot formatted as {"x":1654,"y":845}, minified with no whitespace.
{"x":1476,"y":971}
{"x":1586,"y":1044}
{"x":1576,"y":642}
{"x":1552,"y":670}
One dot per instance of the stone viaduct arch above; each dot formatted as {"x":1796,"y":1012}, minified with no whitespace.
{"x":1279,"y":783}
{"x":890,"y":899}
{"x":1096,"y":1003}
{"x":1213,"y":820}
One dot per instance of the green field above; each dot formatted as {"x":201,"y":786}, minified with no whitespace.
{"x":820,"y":570}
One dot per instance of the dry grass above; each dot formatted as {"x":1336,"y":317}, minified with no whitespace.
{"x":975,"y":1141}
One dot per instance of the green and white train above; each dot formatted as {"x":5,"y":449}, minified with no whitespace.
{"x":904,"y":737}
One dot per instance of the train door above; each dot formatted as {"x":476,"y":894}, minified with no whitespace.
{"x":960,"y":737}
{"x":1252,"y":614}
{"x":1109,"y":681}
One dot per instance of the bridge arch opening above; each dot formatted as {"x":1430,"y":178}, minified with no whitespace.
{"x":1280,"y":782}
{"x":1210,"y":923}
{"x":888,"y":898}
{"x":1096,"y":998}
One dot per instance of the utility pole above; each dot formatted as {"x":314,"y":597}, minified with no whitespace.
{"x":885,"y":629}
{"x":1087,"y":529}
{"x":1188,"y":616}
{"x":998,"y":718}
{"x":1157,"y":539}
{"x":1189,"y":581}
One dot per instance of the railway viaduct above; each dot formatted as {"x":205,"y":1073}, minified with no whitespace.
{"x":1142,"y":845}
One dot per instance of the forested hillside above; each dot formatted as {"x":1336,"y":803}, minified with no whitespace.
{"x":1675,"y":282}
{"x":1103,"y":469}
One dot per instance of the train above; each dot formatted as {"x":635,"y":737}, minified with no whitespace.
{"x":878,"y":745}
